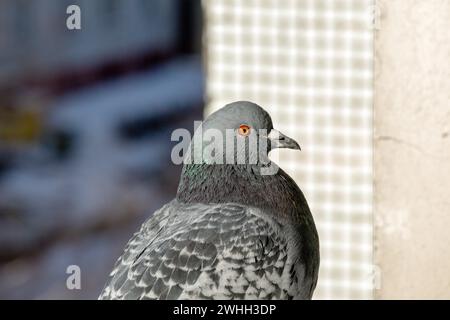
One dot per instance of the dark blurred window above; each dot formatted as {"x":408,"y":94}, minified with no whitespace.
{"x":145,"y":126}
{"x":60,"y":143}
{"x":140,"y":128}
{"x":5,"y":162}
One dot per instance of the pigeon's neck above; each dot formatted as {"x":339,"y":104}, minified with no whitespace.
{"x":203,"y":183}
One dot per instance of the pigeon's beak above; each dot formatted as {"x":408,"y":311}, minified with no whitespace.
{"x":279,"y":140}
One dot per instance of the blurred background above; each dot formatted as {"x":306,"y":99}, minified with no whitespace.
{"x":85,"y":123}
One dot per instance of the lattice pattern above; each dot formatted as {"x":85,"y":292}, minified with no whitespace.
{"x":309,"y":63}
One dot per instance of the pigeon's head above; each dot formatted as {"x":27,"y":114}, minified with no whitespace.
{"x":239,"y":133}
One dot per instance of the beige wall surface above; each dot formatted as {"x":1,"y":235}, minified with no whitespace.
{"x":412,"y":149}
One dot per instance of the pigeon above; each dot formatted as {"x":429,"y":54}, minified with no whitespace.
{"x":238,"y":228}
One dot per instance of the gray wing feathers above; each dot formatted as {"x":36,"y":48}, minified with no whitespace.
{"x":135,"y":247}
{"x":203,"y":252}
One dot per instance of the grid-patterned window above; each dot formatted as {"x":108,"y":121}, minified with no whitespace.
{"x":309,"y":63}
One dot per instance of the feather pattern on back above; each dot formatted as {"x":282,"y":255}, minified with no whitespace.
{"x":228,"y":251}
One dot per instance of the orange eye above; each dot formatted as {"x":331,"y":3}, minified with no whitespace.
{"x":244,"y":130}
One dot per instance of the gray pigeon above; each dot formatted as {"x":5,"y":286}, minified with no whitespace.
{"x":234,"y":231}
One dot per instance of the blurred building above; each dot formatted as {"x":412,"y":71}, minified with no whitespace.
{"x":37,"y":46}
{"x":85,"y":123}
{"x":41,"y":58}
